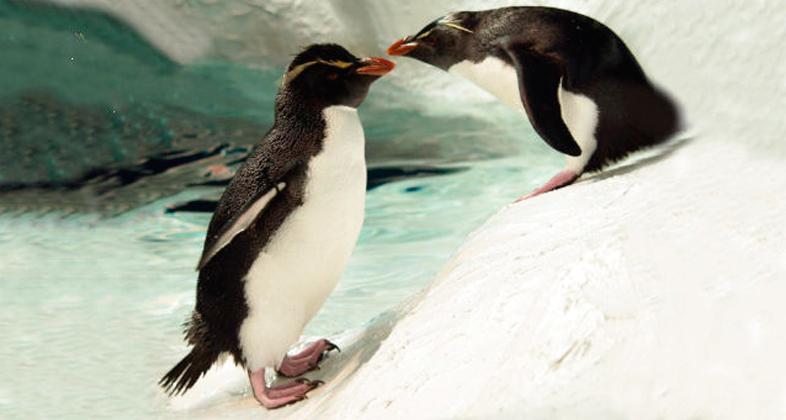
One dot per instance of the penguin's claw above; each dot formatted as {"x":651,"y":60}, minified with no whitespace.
{"x":331,"y":346}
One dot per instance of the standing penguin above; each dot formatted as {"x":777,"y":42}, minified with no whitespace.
{"x":284,"y":229}
{"x":582,"y":89}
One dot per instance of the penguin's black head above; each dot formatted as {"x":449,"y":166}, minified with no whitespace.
{"x":327,"y":74}
{"x":442,"y":43}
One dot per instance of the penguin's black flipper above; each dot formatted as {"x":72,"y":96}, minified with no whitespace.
{"x":251,"y":190}
{"x":238,"y":223}
{"x":539,"y":81}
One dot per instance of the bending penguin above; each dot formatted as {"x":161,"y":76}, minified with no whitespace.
{"x":582,"y":89}
{"x":284,"y":229}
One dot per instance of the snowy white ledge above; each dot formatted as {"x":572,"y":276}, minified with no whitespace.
{"x":652,"y":291}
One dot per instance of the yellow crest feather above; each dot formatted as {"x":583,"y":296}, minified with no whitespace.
{"x":456,"y":26}
{"x":295,"y":72}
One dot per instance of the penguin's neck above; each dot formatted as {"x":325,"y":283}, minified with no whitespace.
{"x":302,"y":110}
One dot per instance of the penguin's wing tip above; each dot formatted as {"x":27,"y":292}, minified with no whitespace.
{"x":573,"y":149}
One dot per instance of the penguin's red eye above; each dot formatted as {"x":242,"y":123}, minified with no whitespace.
{"x":431,"y":41}
{"x":332,"y":76}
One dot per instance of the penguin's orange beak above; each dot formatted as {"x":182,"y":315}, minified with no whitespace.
{"x":402,"y":47}
{"x":375,"y":66}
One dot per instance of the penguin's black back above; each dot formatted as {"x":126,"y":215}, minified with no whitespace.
{"x":585,"y":48}
{"x":633,"y":113}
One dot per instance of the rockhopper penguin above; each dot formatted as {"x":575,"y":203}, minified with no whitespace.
{"x":284,"y":229}
{"x":582,"y":89}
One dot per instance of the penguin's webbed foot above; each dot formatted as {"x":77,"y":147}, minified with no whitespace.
{"x":306,"y":360}
{"x":281,"y":395}
{"x":558,"y":181}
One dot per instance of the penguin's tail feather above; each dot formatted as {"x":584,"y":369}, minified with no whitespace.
{"x":186,"y":373}
{"x":196,"y":363}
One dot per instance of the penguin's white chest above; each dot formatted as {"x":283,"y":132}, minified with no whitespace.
{"x":494,"y":76}
{"x":290,"y":280}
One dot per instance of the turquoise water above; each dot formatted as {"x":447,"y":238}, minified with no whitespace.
{"x":97,"y":277}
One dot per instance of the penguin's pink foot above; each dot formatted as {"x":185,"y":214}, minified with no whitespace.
{"x":279,"y":396}
{"x":558,"y":181}
{"x":306,"y":360}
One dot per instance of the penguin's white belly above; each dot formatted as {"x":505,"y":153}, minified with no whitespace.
{"x":290,"y":280}
{"x":581,"y":117}
{"x":579,"y":112}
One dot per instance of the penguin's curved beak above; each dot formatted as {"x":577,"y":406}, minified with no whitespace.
{"x":375,"y":66}
{"x":402,"y":47}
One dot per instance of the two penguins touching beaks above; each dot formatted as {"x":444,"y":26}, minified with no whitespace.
{"x":286,"y":225}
